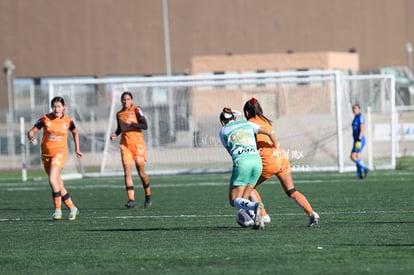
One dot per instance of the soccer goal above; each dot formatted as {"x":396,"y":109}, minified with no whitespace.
{"x":405,"y":131}
{"x":311,"y":113}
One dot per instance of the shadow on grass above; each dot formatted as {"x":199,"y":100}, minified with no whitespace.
{"x":202,"y":228}
{"x":379,"y":245}
{"x":395,"y":222}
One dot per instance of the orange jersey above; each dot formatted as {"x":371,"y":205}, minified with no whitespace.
{"x":130,"y":135}
{"x":271,"y":156}
{"x":55,"y":134}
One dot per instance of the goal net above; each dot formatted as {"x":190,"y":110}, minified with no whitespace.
{"x":311,"y":113}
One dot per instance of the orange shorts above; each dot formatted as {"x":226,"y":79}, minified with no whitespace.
{"x":58,"y":160}
{"x":134,"y":153}
{"x":279,"y":167}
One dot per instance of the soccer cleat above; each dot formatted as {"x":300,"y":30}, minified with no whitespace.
{"x":57,"y":215}
{"x":130,"y":204}
{"x":147,"y":202}
{"x":258,"y":224}
{"x":73,"y":214}
{"x":314,"y":220}
{"x":266,"y":219}
{"x":366,"y":173}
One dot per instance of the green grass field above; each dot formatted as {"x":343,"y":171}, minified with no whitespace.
{"x":367,"y":227}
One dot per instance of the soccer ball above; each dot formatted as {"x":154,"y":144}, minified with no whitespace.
{"x":244,"y":219}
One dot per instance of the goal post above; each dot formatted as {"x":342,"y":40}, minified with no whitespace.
{"x":377,"y":97}
{"x":311,"y":113}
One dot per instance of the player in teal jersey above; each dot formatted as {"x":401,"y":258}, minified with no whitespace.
{"x":358,"y":127}
{"x":238,"y":137}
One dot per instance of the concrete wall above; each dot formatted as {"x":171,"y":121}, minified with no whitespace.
{"x":276,"y":62}
{"x":62,"y":38}
{"x":273,"y":98}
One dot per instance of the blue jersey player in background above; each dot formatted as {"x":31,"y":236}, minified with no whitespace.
{"x":358,"y":126}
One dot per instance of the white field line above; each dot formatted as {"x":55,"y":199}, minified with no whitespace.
{"x":119,"y":184}
{"x":116,"y":186}
{"x":32,"y":186}
{"x":209,"y":216}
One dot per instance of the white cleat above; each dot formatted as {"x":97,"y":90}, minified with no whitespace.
{"x":57,"y":215}
{"x":314,"y":220}
{"x":266,"y":219}
{"x":258,"y":223}
{"x":73,"y":214}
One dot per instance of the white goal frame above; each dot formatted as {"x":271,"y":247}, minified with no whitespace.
{"x":337,"y":78}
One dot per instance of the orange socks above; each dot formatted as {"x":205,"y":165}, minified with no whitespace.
{"x":130,"y":193}
{"x":293,"y":194}
{"x":68,"y":201}
{"x":301,"y":201}
{"x":147,"y":189}
{"x":255,"y":197}
{"x":57,"y":200}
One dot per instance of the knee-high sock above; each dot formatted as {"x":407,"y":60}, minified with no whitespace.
{"x":130,"y":193}
{"x":68,"y":201}
{"x":241,"y":203}
{"x":300,"y":200}
{"x":361,"y":164}
{"x":147,"y":189}
{"x":57,"y":200}
{"x":358,"y":170}
{"x":255,"y":197}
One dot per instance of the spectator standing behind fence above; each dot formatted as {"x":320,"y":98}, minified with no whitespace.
{"x":56,"y":126}
{"x":131,"y":121}
{"x":358,"y":128}
{"x":274,"y":160}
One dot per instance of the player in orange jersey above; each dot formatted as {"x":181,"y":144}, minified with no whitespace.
{"x":131,"y":122}
{"x":56,"y":126}
{"x":275,"y":162}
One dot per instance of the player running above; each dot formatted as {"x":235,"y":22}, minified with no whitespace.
{"x":274,"y":161}
{"x":56,"y":126}
{"x":131,"y":122}
{"x":237,"y":136}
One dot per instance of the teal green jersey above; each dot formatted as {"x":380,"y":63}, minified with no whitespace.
{"x":238,"y":138}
